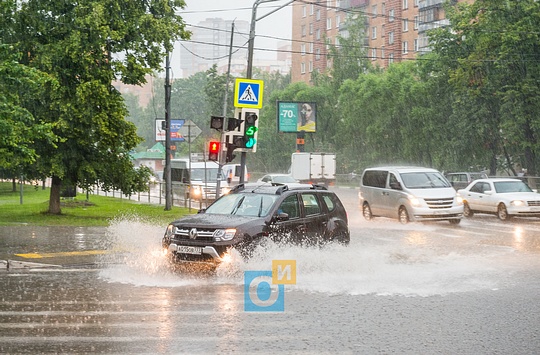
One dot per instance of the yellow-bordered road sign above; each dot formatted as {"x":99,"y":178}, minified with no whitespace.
{"x":248,"y":93}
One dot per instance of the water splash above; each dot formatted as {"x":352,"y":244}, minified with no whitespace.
{"x":360,"y":268}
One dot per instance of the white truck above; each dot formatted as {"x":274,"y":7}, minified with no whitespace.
{"x":314,"y":168}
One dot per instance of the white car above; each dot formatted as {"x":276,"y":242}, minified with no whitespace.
{"x":501,"y":196}
{"x":278,"y":178}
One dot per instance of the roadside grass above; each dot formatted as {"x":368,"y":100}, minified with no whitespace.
{"x":97,"y":211}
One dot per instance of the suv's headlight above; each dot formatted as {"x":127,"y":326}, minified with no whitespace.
{"x":415,"y":201}
{"x":459,"y":200}
{"x":224,"y":234}
{"x":518,"y":203}
{"x":170,"y":231}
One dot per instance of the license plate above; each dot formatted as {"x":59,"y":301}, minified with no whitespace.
{"x":188,"y":250}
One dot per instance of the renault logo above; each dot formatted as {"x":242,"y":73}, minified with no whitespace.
{"x":193,"y":233}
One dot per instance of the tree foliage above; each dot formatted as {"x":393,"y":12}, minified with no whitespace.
{"x":84,"y":46}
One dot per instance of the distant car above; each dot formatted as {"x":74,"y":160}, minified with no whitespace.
{"x":278,"y":178}
{"x":504,"y":197}
{"x":463,"y":179}
{"x":253,"y":213}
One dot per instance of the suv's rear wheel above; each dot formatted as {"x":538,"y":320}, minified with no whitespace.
{"x":341,"y":237}
{"x":403,"y":215}
{"x":366,"y":211}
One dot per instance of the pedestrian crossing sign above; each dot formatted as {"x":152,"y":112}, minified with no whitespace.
{"x":248,"y":93}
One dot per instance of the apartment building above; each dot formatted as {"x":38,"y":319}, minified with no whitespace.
{"x":210,"y":43}
{"x":395,"y":30}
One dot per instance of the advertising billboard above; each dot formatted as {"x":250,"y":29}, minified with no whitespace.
{"x":294,"y":117}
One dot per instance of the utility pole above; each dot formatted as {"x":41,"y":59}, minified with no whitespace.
{"x":168,"y":182}
{"x":222,"y":136}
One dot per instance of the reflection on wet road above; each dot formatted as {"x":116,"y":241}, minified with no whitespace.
{"x":416,"y":288}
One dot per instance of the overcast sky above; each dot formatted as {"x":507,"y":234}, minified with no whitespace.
{"x":277,"y":24}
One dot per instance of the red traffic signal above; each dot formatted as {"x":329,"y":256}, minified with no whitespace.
{"x":213,"y":151}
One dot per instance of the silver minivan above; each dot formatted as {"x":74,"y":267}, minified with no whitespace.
{"x":409,"y":194}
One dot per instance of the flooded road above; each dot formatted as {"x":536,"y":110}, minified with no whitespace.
{"x":409,"y":289}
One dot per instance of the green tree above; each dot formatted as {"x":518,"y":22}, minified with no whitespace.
{"x":85,"y":46}
{"x":491,"y":48}
{"x":18,"y":126}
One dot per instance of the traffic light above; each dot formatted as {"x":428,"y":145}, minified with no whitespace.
{"x":213,"y":151}
{"x":250,"y":130}
{"x":216,"y":122}
{"x":230,"y":152}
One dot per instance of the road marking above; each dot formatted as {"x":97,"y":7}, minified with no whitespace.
{"x":65,"y":253}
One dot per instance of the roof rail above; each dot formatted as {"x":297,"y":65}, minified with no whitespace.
{"x":318,"y":187}
{"x":281,"y":189}
{"x":238,"y":187}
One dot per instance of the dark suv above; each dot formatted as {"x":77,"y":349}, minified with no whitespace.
{"x":251,"y":214}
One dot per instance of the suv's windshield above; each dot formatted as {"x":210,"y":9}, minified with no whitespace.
{"x":243,"y":204}
{"x":424,"y":180}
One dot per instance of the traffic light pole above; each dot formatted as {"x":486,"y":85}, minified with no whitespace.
{"x":249,"y":70}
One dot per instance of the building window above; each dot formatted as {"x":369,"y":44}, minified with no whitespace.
{"x":328,"y":4}
{"x":391,"y":15}
{"x":318,"y":15}
{"x":318,"y":34}
{"x":329,"y":23}
{"x":338,"y":21}
{"x":405,"y":25}
{"x":382,"y":31}
{"x":416,"y":3}
{"x":390,"y":58}
{"x":303,"y":30}
{"x":311,"y":48}
{"x":303,"y":68}
{"x":310,"y":66}
{"x":317,"y":54}
{"x":391,"y":37}
{"x":312,"y":9}
{"x":304,"y":11}
{"x":383,"y":9}
{"x":405,"y":47}
{"x":416,"y":45}
{"x":311,"y":28}
{"x":303,"y":48}
{"x":416,"y":22}
{"x":382,"y":52}
{"x":374,"y":11}
{"x":337,"y":41}
{"x":374,"y":32}
{"x":405,"y":4}
{"x":338,"y":5}
{"x":373,"y":53}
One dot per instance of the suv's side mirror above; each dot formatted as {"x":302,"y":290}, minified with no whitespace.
{"x":395,"y":186}
{"x":282,"y":216}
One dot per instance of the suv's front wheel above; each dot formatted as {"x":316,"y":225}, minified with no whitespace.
{"x":403,"y":215}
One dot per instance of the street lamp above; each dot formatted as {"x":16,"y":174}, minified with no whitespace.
{"x":254,"y":19}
